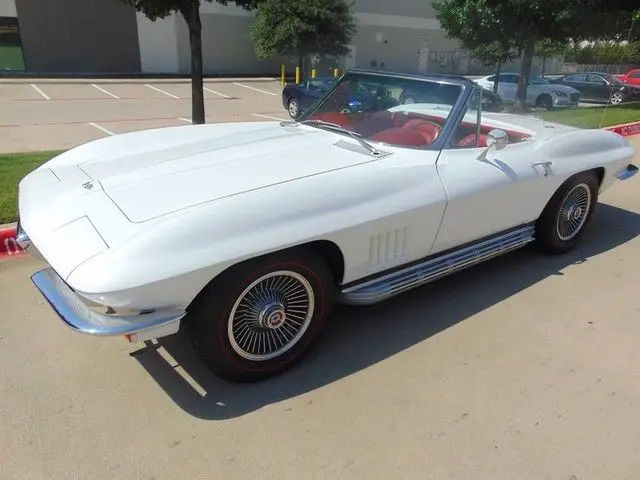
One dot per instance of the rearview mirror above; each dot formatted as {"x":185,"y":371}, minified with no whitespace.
{"x":496,"y":139}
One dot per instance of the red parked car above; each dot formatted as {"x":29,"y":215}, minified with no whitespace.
{"x":632,"y":77}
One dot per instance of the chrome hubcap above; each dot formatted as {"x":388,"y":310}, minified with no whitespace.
{"x":271,"y":315}
{"x":573,"y":212}
{"x":293,"y":108}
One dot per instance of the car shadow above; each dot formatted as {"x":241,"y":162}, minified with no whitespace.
{"x":359,"y":337}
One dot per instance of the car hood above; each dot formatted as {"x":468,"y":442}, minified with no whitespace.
{"x":186,"y":166}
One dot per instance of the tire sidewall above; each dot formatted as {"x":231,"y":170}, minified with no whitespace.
{"x":547,"y":225}
{"x":293,"y":100}
{"x":216,"y":347}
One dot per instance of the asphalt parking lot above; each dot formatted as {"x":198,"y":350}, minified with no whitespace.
{"x":45,"y":115}
{"x":525,"y":367}
{"x":52,"y":114}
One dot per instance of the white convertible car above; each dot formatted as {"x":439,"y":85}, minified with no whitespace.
{"x":247,"y":233}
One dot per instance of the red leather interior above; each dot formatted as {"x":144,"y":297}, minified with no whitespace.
{"x":470,"y":141}
{"x":428,"y":130}
{"x":412,"y":129}
{"x":400,"y":136}
{"x":334,"y":117}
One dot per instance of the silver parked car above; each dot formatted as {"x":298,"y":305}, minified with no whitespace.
{"x":540,"y":92}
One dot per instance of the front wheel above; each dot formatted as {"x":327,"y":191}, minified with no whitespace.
{"x":261,"y":317}
{"x":293,"y":108}
{"x":564,"y":219}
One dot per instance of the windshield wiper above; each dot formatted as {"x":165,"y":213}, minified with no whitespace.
{"x":356,"y":136}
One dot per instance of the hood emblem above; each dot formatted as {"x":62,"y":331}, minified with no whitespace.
{"x":87,"y":185}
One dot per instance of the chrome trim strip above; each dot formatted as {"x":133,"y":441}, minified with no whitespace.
{"x":627,"y":172}
{"x":379,"y":289}
{"x":78,"y":316}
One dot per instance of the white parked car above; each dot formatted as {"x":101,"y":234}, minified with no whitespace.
{"x":540,"y":92}
{"x":247,"y":233}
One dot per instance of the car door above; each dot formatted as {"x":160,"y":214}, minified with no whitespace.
{"x":577,"y":81}
{"x":508,"y":86}
{"x":486,"y":197}
{"x":597,"y":88}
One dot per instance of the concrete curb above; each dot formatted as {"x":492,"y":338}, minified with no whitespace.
{"x":10,"y":248}
{"x":626,"y":129}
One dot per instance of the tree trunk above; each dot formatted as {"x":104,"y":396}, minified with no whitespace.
{"x":525,"y":72}
{"x":496,"y":78}
{"x":544,"y":64}
{"x":192,"y":15}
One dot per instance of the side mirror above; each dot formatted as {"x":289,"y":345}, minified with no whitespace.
{"x":496,"y":139}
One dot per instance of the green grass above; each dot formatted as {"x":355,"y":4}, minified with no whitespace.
{"x":11,"y":58}
{"x":595,"y":117}
{"x":13,"y":167}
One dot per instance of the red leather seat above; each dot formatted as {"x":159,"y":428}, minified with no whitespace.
{"x":400,"y":136}
{"x":470,"y":141}
{"x":375,"y":123}
{"x":428,"y":130}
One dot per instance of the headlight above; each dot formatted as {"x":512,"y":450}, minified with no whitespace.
{"x":559,"y":93}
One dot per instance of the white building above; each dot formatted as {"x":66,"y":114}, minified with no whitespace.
{"x":107,"y":36}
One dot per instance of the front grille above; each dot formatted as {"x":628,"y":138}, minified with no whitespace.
{"x":574,"y":97}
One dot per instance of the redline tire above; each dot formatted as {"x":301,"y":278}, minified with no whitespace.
{"x":567,"y":215}
{"x":242,"y":316}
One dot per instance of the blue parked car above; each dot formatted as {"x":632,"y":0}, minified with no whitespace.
{"x":297,"y":97}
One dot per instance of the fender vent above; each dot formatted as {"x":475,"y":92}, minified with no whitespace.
{"x":387,"y":247}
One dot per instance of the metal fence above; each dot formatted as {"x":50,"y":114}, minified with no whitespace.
{"x":577,"y":68}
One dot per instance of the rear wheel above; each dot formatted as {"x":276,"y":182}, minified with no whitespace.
{"x":262,"y":317}
{"x":564,"y":219}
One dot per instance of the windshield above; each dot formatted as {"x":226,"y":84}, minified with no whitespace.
{"x":390,"y":109}
{"x":538,"y":80}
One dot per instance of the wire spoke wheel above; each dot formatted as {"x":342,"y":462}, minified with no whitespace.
{"x":271,"y":315}
{"x":573,"y":212}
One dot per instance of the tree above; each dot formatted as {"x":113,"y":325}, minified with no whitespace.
{"x":190,"y":11}
{"x":546,"y":48}
{"x":528,"y":22}
{"x":495,"y":55}
{"x":302,"y":27}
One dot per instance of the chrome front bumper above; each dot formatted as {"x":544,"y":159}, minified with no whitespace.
{"x":80,"y":317}
{"x":627,"y":172}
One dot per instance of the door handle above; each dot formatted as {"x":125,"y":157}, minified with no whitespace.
{"x":547,"y":167}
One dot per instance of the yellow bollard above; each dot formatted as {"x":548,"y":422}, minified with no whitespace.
{"x":313,"y":73}
{"x":283,"y":77}
{"x":297,"y":74}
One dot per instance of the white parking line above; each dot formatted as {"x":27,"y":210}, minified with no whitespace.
{"x":104,"y":91}
{"x":101,"y":128}
{"x":270,"y":117}
{"x":217,"y":93}
{"x":161,"y":91}
{"x":253,"y":88}
{"x":47,"y":97}
{"x":188,"y":120}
